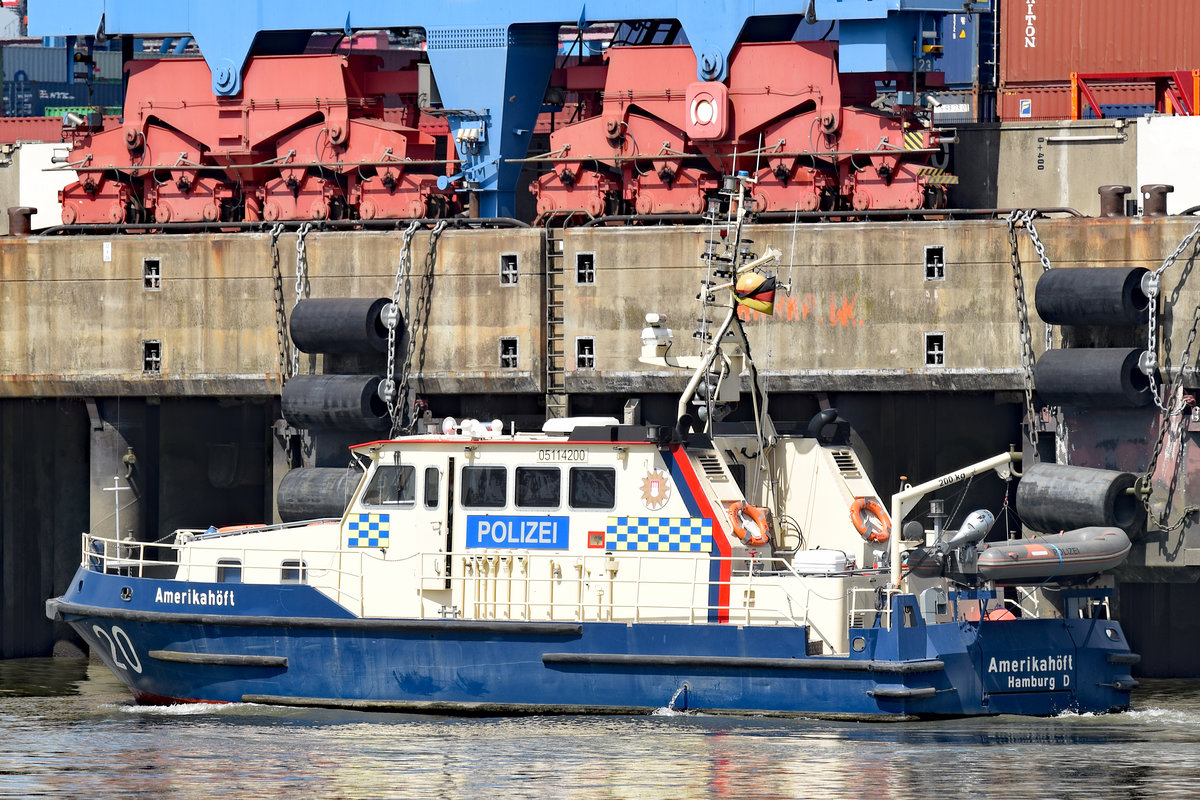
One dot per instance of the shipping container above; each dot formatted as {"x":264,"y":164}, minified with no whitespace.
{"x":1052,"y":101}
{"x":968,"y":46}
{"x":30,"y":99}
{"x":30,"y":129}
{"x":955,"y":108}
{"x":1044,"y":41}
{"x":968,"y":50}
{"x":39,"y":129}
{"x":50,"y":64}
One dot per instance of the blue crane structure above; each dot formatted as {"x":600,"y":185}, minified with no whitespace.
{"x":492,"y":61}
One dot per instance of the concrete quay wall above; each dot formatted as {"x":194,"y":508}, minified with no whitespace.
{"x":869,"y":309}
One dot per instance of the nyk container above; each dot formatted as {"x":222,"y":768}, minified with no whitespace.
{"x":1044,"y":41}
{"x":31,"y":99}
{"x":50,"y":65}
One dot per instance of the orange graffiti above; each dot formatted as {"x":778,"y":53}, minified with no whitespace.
{"x":841,"y":316}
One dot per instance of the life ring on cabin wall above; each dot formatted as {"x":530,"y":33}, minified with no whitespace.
{"x":752,"y":536}
{"x":860,"y":510}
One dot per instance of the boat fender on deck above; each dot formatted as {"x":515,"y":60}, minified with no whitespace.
{"x":755,"y":535}
{"x":878,"y":532}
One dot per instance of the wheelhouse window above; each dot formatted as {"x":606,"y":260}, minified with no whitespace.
{"x":431,"y":487}
{"x":229,"y":570}
{"x":539,"y":487}
{"x":293,"y":570}
{"x":593,"y":487}
{"x":392,"y":484}
{"x":484,"y":487}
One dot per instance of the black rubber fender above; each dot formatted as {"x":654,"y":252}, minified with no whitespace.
{"x":1092,"y":296}
{"x":343,"y":402}
{"x":316,"y":492}
{"x":1106,"y":377}
{"x":340,"y":325}
{"x":1061,"y":497}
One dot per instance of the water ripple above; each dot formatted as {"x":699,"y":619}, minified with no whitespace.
{"x":83,"y":736}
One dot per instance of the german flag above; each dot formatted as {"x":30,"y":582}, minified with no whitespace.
{"x":757,"y":291}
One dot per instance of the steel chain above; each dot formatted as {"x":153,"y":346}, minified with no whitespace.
{"x":420,"y":313}
{"x":1045,"y":260}
{"x":1171,"y":391}
{"x":1144,"y":483}
{"x":1170,"y":260}
{"x":282,"y":340}
{"x":303,"y":287}
{"x":1151,"y":286}
{"x":395,"y":317}
{"x":1023,"y":331}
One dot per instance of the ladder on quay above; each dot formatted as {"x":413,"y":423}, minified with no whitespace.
{"x":556,"y":386}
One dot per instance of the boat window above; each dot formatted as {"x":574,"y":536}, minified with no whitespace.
{"x":539,"y":487}
{"x":484,"y":487}
{"x":431,"y":487}
{"x":391,"y":484}
{"x":293,"y":570}
{"x":229,"y":570}
{"x":593,"y":487}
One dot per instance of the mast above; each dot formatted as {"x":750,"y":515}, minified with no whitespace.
{"x":723,"y":361}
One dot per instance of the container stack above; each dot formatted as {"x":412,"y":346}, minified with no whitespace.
{"x":1043,"y":43}
{"x":38,"y":81}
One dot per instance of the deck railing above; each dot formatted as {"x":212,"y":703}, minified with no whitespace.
{"x":631,"y":587}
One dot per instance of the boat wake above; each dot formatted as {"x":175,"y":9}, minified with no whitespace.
{"x":1165,"y":716}
{"x":666,"y":711}
{"x":178,"y":709}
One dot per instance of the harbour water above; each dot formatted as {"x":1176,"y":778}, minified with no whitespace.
{"x":69,"y":729}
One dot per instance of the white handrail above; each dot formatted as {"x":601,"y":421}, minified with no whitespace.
{"x":635,"y":587}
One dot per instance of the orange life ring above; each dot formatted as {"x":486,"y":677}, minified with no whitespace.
{"x":879,"y":532}
{"x":758,"y":516}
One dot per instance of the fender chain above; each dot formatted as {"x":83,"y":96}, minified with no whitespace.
{"x":1152,"y":285}
{"x":1170,"y":391}
{"x":416,"y":323}
{"x":282,"y":340}
{"x":303,"y":287}
{"x":403,"y":286}
{"x":1023,"y":331}
{"x":1045,"y":261}
{"x":1144,"y":484}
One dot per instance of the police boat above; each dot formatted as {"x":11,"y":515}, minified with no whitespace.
{"x":594,"y":567}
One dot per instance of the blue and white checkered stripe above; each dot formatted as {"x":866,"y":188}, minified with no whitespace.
{"x":659,"y":534}
{"x":367,"y":530}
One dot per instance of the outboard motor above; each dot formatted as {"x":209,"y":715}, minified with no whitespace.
{"x":973,"y":529}
{"x":962,"y":557}
{"x":955,"y":556}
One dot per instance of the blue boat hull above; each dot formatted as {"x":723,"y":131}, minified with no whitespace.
{"x":290,"y":645}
